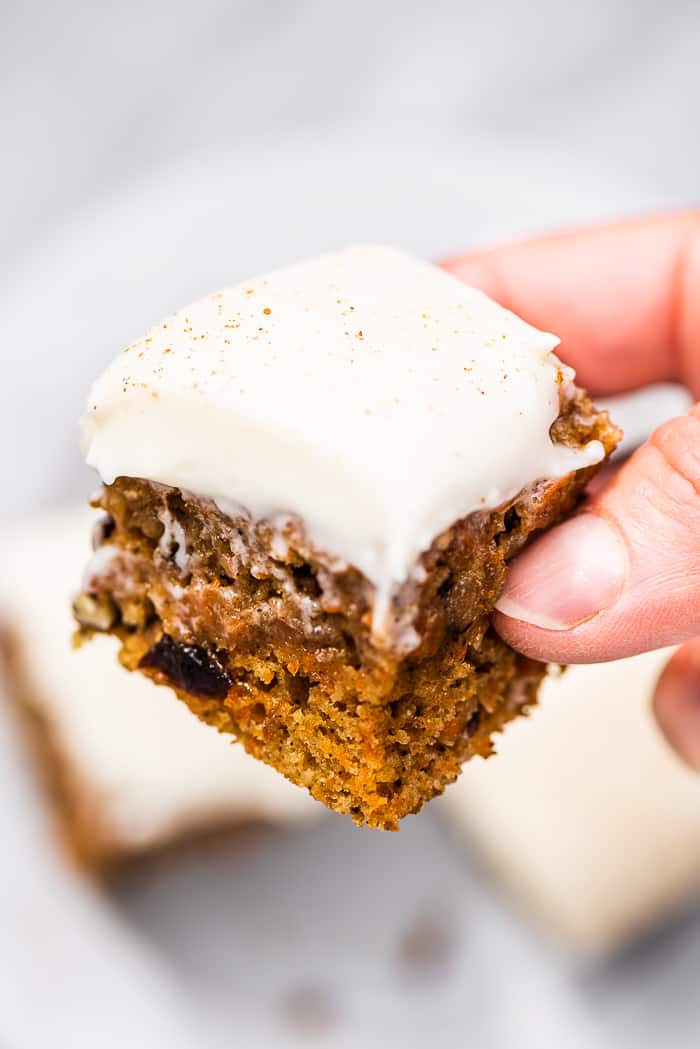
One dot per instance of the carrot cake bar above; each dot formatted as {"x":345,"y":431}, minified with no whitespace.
{"x":127,"y":771}
{"x":312,"y":485}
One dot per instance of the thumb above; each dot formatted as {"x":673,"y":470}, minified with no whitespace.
{"x":623,"y":576}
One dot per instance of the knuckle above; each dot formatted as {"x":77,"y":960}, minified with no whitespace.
{"x":678,"y":443}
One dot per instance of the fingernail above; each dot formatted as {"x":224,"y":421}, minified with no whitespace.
{"x":569,"y":575}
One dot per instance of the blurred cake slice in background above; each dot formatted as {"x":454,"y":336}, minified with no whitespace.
{"x":588,"y":819}
{"x":127,"y":770}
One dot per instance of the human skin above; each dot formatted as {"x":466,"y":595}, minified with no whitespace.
{"x":623,"y":575}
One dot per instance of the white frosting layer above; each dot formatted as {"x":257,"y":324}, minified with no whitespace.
{"x":370,"y":393}
{"x":150,"y":769}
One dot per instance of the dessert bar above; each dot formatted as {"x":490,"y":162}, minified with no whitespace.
{"x":312,"y":485}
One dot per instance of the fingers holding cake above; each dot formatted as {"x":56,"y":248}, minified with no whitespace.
{"x":624,"y":575}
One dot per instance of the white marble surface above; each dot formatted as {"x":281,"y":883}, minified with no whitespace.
{"x":155,"y":153}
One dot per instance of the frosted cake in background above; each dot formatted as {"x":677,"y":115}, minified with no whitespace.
{"x":587,"y":818}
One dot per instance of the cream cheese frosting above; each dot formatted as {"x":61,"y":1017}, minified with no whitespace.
{"x":369,"y":393}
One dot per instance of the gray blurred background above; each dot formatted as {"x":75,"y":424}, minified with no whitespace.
{"x":152,"y":151}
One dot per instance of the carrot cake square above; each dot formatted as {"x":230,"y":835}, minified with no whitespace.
{"x":312,"y":485}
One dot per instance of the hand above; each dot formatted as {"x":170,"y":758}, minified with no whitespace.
{"x":623,"y":575}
